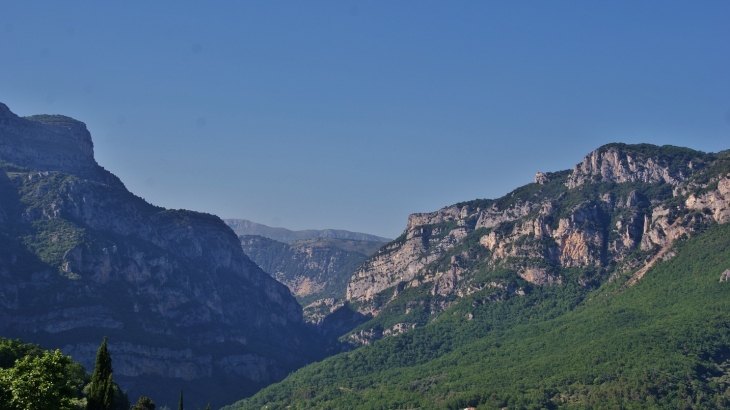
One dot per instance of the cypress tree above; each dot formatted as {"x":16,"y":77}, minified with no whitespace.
{"x":180,"y":405}
{"x":101,"y":390}
{"x":108,"y":403}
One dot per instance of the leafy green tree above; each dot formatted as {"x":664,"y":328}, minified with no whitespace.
{"x":15,"y":351}
{"x":144,"y":403}
{"x":37,"y":383}
{"x":180,"y":404}
{"x":12,"y":350}
{"x":101,"y":389}
{"x":77,"y":377}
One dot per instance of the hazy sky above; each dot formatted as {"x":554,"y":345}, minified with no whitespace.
{"x":352,"y":115}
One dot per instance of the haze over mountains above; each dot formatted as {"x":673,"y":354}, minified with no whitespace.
{"x":313,"y":268}
{"x":246,"y":227}
{"x":314,"y":264}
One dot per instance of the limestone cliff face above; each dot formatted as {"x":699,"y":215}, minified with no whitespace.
{"x":714,"y":200}
{"x":426,"y":237}
{"x":663,"y":226}
{"x":312,"y":268}
{"x":575,"y":241}
{"x":81,"y":257}
{"x":617,"y":164}
{"x":619,"y":199}
{"x":50,"y":143}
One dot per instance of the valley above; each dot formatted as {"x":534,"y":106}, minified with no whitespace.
{"x":593,"y":287}
{"x":364,"y":205}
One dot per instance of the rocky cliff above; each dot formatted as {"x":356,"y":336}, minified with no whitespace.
{"x":312,"y":268}
{"x":81,"y":257}
{"x":609,"y":219}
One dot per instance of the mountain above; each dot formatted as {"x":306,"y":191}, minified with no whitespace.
{"x":604,"y":286}
{"x":81,"y":258}
{"x":313,"y":269}
{"x":246,"y":227}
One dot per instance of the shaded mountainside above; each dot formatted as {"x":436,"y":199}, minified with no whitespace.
{"x":81,"y":257}
{"x":314,"y":268}
{"x":245,"y":227}
{"x":597,"y":286}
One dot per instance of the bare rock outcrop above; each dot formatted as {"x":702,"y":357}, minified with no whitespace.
{"x":493,"y":216}
{"x":446,"y":283}
{"x":716,"y":202}
{"x":420,"y":244}
{"x":541,"y":178}
{"x":450,"y":213}
{"x":540,"y":276}
{"x":613,"y":164}
{"x":50,"y":143}
{"x":574,"y":244}
{"x":663,"y":228}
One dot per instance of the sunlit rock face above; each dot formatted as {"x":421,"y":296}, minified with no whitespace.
{"x":618,"y":211}
{"x":615,"y":164}
{"x":82,"y":258}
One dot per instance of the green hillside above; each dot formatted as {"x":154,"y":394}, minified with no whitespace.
{"x":663,"y":343}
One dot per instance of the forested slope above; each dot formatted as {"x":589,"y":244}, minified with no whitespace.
{"x":663,"y":342}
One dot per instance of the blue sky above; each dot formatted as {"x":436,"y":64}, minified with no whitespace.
{"x":352,"y":115}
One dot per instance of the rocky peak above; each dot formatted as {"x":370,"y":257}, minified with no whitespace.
{"x":449,"y":213}
{"x":49,"y":143}
{"x":632,"y":163}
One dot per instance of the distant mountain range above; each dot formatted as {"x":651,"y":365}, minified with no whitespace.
{"x":246,"y":227}
{"x":314,"y":264}
{"x":312,"y":268}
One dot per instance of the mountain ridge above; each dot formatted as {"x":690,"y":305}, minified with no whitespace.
{"x":609,"y":164}
{"x":246,"y":227}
